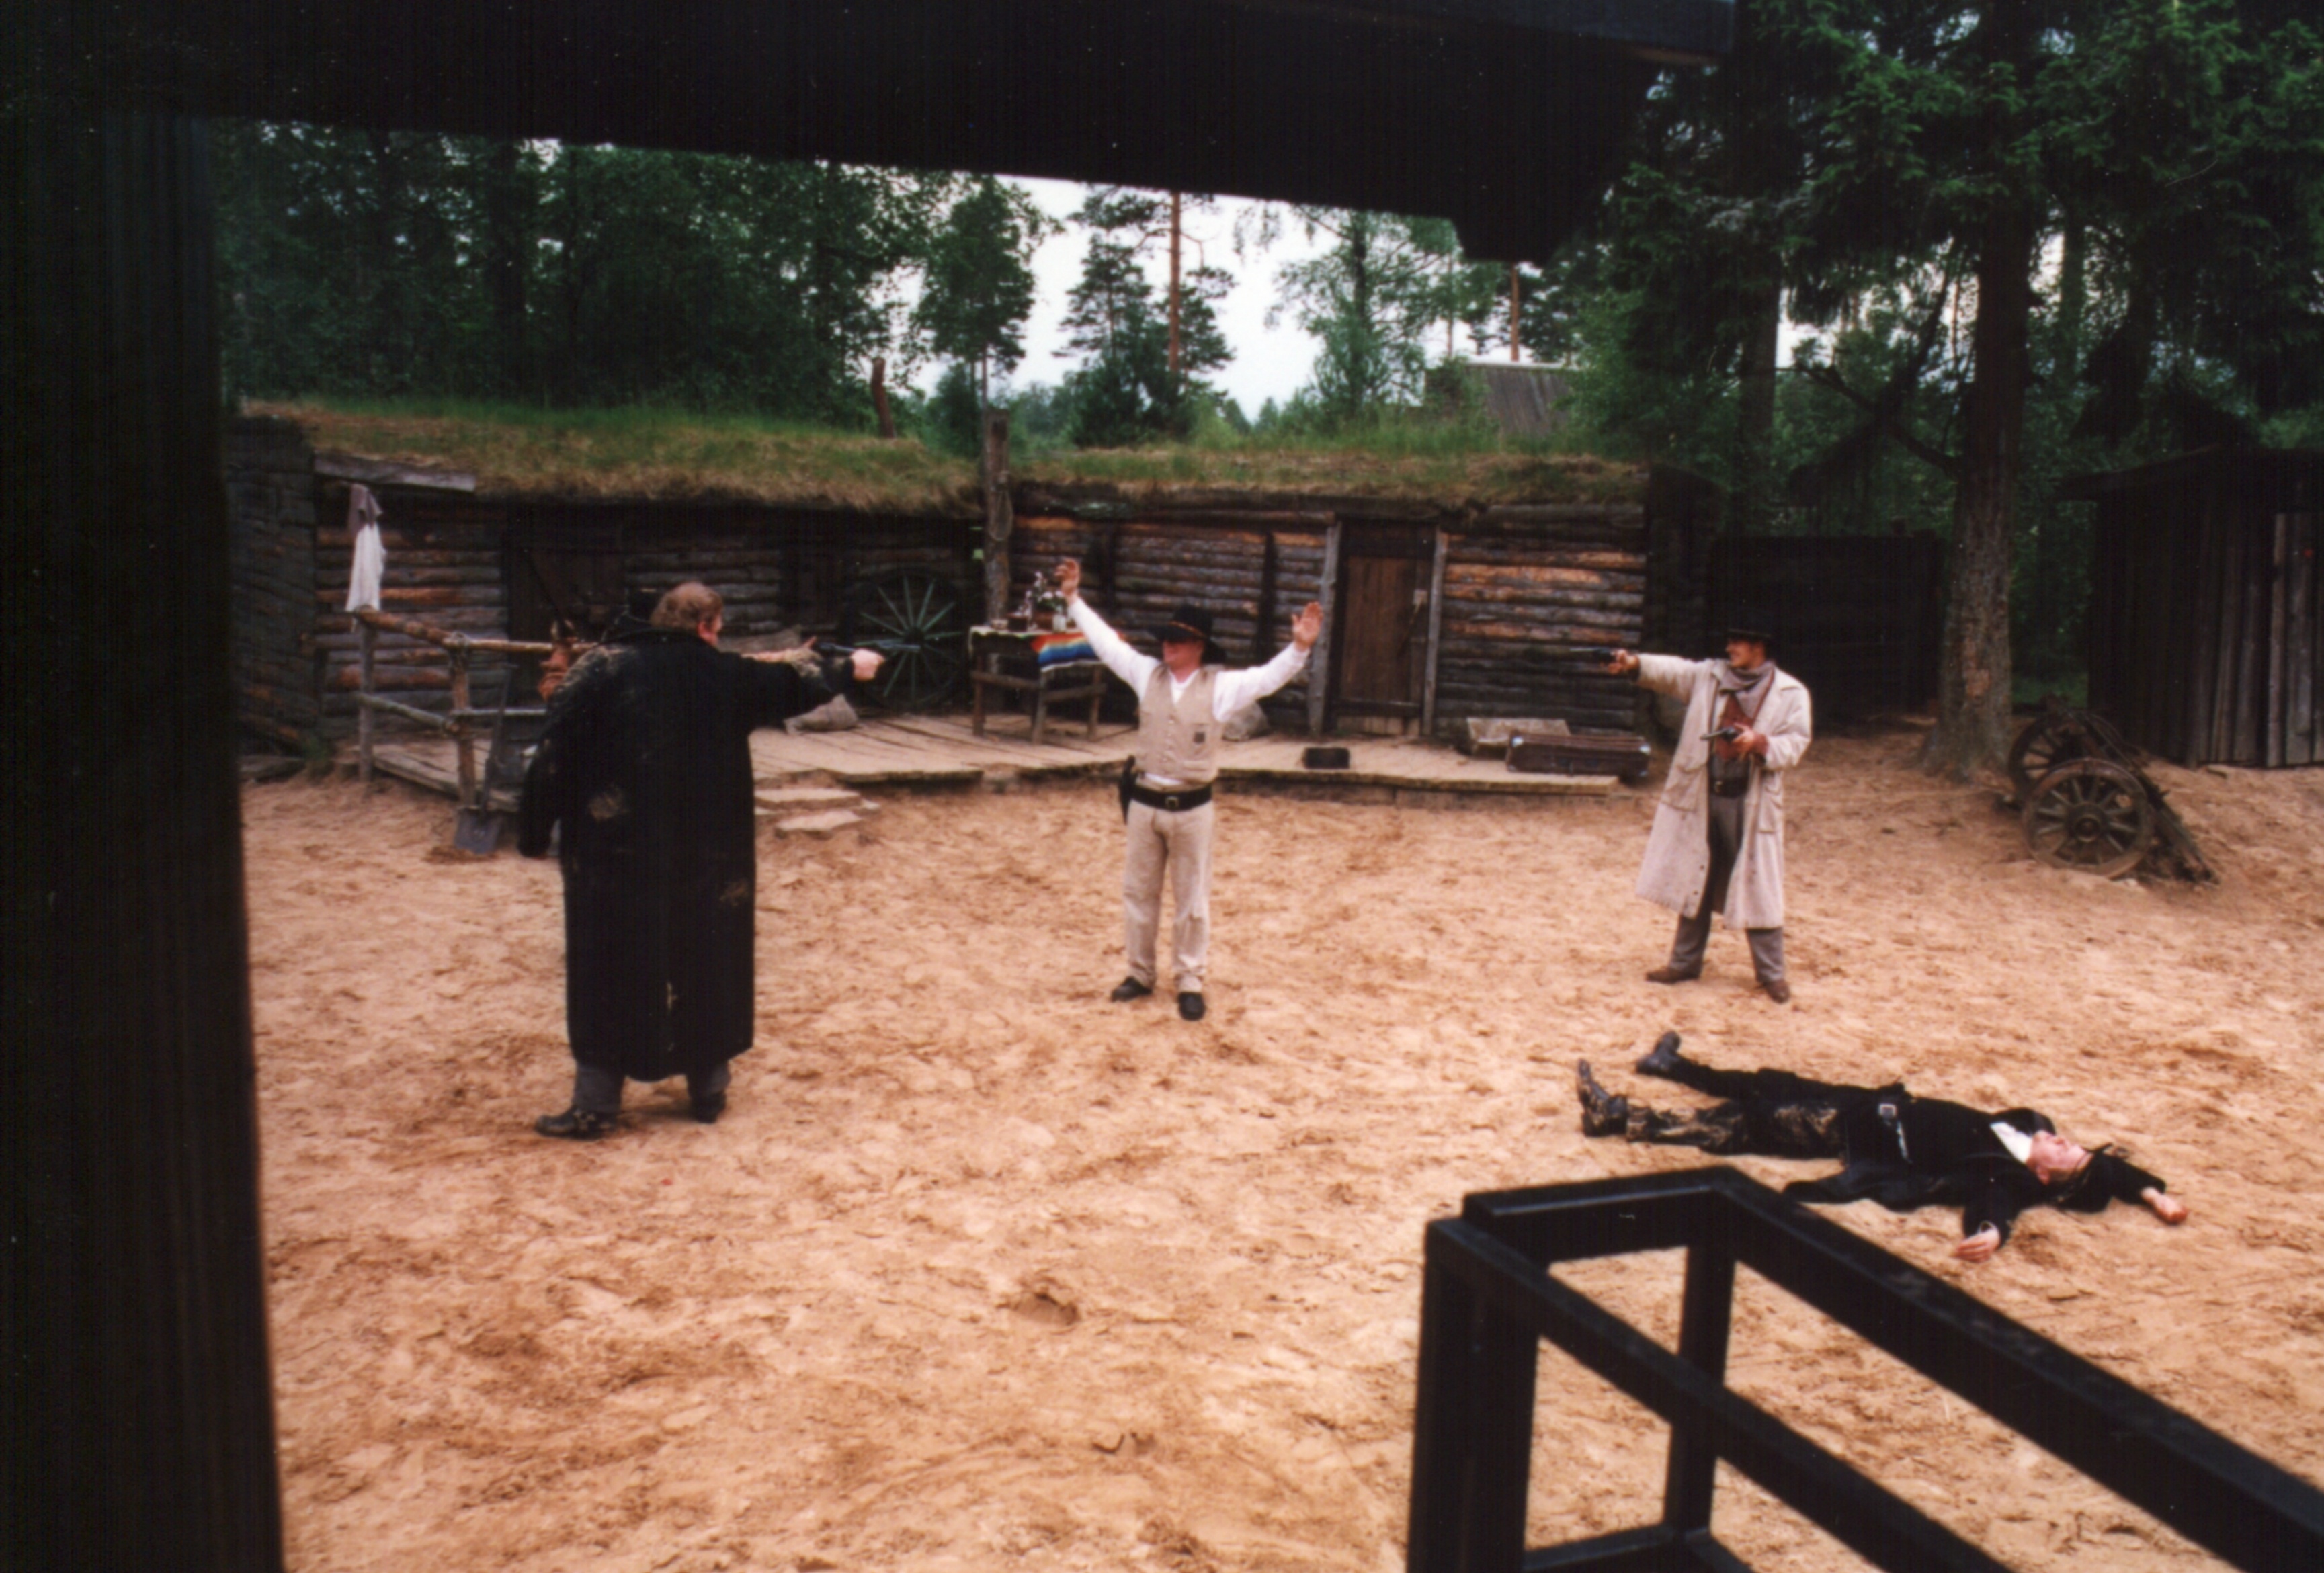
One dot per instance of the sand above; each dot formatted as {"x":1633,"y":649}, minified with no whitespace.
{"x":983,"y":1271}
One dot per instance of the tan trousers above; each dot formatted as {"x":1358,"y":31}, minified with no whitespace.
{"x":1181,"y":843}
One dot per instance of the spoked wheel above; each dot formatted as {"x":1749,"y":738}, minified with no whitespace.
{"x":2048,"y":742}
{"x":914,"y":619}
{"x":2090,"y":816}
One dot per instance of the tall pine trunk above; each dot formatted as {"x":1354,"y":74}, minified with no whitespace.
{"x":1752,"y":503}
{"x":1973,"y":669}
{"x":1973,"y":684}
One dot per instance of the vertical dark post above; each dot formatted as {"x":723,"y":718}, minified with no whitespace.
{"x":1319,"y":660}
{"x":464,"y":735}
{"x":142,"y":1431}
{"x":1705,"y":1314}
{"x":1472,"y":1427}
{"x":886,"y":417}
{"x":1000,"y":520}
{"x":367,"y":653}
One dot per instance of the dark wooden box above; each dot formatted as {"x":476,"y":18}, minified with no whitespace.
{"x":1625,"y":757}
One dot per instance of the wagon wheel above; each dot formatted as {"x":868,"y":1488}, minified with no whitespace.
{"x":915,"y":619}
{"x":2090,"y":816}
{"x":2048,"y":742}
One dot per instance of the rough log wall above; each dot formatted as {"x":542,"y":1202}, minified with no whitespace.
{"x":1137,"y":573}
{"x":1533,"y":600}
{"x":270,"y":484}
{"x":444,"y":568}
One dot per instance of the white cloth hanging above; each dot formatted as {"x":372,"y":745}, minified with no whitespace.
{"x":370,"y":556}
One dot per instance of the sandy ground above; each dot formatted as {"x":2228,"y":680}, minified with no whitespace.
{"x":982,"y":1270}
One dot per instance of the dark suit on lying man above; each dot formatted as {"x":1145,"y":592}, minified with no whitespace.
{"x":1899,"y":1150}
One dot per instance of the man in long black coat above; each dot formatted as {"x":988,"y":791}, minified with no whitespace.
{"x":644,"y":771}
{"x":1903,"y":1151}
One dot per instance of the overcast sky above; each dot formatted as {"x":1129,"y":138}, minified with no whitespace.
{"x":1267,"y":365}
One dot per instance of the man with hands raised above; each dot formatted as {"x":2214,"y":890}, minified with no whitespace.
{"x":1184,"y":700}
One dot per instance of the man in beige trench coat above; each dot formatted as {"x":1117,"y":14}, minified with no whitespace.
{"x":1717,"y":840}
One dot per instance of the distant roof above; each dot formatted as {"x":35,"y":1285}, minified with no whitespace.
{"x":2249,"y":462}
{"x":610,"y":457}
{"x":1523,"y":399}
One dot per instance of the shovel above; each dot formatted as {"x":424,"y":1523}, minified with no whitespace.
{"x":478,"y":830}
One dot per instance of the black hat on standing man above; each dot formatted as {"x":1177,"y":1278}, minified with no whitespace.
{"x":1191,"y":621}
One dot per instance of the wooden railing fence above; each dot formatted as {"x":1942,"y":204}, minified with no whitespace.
{"x":460,"y":722}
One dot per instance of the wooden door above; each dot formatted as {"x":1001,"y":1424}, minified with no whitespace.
{"x":1379,"y":648}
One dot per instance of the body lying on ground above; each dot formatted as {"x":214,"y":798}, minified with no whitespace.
{"x":1902,"y":1151}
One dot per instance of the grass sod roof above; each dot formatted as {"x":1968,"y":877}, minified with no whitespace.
{"x":665,"y":456}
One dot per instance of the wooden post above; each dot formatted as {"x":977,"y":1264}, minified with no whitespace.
{"x":1516,"y":338}
{"x":880,"y":398}
{"x":464,"y":735}
{"x":1319,"y":662}
{"x":999,"y":521}
{"x":367,"y":642}
{"x":1436,"y":631}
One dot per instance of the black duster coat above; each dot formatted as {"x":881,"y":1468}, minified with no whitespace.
{"x":645,"y":768}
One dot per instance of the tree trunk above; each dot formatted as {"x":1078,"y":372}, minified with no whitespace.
{"x":1175,"y":233}
{"x":1973,"y":674}
{"x":1973,"y":683}
{"x":507,"y":244}
{"x":886,"y":417}
{"x":1753,"y":501}
{"x":999,"y":518}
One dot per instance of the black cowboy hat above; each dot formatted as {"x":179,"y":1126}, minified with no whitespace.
{"x":1189,"y":621}
{"x":1752,"y":622}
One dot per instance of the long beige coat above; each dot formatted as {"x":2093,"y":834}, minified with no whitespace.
{"x":1678,"y":852}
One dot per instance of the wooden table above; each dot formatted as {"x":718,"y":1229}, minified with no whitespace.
{"x":992,"y":651}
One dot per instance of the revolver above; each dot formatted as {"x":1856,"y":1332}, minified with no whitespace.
{"x":1725,"y":735}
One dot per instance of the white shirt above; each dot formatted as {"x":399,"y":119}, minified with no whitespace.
{"x":1232,"y":691}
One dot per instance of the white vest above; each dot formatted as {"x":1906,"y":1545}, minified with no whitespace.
{"x":1177,"y":735}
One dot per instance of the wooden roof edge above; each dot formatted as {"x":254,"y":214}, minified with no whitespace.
{"x":1098,"y":500}
{"x":957,"y":508}
{"x":336,"y":465}
{"x":2099,"y":483}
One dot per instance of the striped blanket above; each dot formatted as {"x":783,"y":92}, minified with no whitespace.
{"x":1062,"y":650}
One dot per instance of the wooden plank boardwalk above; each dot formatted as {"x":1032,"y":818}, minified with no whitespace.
{"x":907,"y":751}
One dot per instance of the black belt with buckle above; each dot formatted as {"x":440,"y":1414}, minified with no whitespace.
{"x":1730,"y":788}
{"x":1177,"y":801}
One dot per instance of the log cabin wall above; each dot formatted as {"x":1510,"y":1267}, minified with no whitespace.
{"x":776,"y":567}
{"x":1534,"y":600}
{"x":444,"y":568}
{"x":270,"y":503}
{"x":2206,"y":633}
{"x":1252,"y":571}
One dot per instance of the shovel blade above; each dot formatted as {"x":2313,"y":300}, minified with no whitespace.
{"x":477,"y":831}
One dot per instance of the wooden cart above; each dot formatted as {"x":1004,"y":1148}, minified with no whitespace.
{"x":2088,"y":804}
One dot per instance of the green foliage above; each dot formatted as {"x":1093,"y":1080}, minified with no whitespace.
{"x":1126,"y":392}
{"x":2153,"y":169}
{"x":372,"y":262}
{"x":980,"y":279}
{"x":953,"y":420}
{"x":1371,"y":299}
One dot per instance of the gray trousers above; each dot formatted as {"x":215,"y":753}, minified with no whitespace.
{"x":596,"y":1090}
{"x":1693,"y":936}
{"x":1177,"y":844}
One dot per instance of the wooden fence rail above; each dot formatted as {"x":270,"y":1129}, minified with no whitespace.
{"x":457,"y":723}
